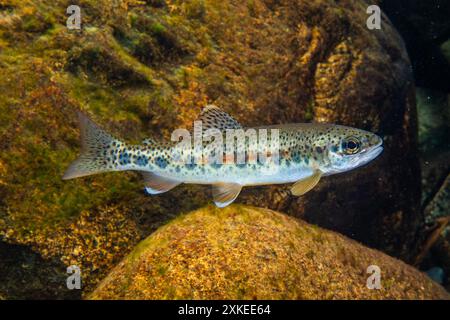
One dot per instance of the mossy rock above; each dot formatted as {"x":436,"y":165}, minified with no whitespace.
{"x":243,"y":252}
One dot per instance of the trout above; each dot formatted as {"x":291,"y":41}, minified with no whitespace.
{"x":300,"y":153}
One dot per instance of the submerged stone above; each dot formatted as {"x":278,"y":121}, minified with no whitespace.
{"x":242,"y":252}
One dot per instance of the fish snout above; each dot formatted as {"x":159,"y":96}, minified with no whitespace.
{"x":375,"y":141}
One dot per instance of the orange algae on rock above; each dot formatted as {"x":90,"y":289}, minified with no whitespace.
{"x":242,"y":252}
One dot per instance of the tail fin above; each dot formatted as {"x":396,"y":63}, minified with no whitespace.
{"x":94,"y":143}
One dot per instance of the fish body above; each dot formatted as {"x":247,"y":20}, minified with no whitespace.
{"x":291,"y":153}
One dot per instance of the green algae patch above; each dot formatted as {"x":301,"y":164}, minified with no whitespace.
{"x":243,"y":252}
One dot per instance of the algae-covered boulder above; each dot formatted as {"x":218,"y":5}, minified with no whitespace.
{"x":243,"y":252}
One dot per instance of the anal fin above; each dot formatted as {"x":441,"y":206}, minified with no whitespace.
{"x":304,"y":185}
{"x":225,"y":193}
{"x":155,"y":184}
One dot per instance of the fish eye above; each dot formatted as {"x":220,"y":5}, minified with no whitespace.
{"x":351,"y":145}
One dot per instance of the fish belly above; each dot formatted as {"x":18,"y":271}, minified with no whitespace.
{"x":244,"y":175}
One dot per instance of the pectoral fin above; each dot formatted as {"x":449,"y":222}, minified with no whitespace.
{"x":303,"y":186}
{"x":155,"y":184}
{"x":225,"y":193}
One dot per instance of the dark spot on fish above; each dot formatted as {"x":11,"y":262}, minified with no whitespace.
{"x":190,"y":166}
{"x":141,"y":161}
{"x":216,"y":165}
{"x":124,"y":158}
{"x":161,"y":162}
{"x":296,"y":157}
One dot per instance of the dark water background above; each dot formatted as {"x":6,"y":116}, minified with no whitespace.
{"x":425,"y":28}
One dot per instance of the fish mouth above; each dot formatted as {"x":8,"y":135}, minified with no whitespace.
{"x":375,"y":152}
{"x":367,"y":156}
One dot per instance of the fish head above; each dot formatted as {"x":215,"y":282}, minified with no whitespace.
{"x":350,"y":148}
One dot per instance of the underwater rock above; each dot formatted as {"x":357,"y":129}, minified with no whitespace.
{"x":439,"y":206}
{"x":243,"y":252}
{"x":433,"y":111}
{"x":445,"y":49}
{"x":440,"y":254}
{"x":344,"y":73}
{"x":434,"y":118}
{"x":24,"y":274}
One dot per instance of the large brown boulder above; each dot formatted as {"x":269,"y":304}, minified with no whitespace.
{"x":334,"y":69}
{"x":250,"y":253}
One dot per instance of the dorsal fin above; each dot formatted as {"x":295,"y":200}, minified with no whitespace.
{"x":213,"y":117}
{"x":150,"y":142}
